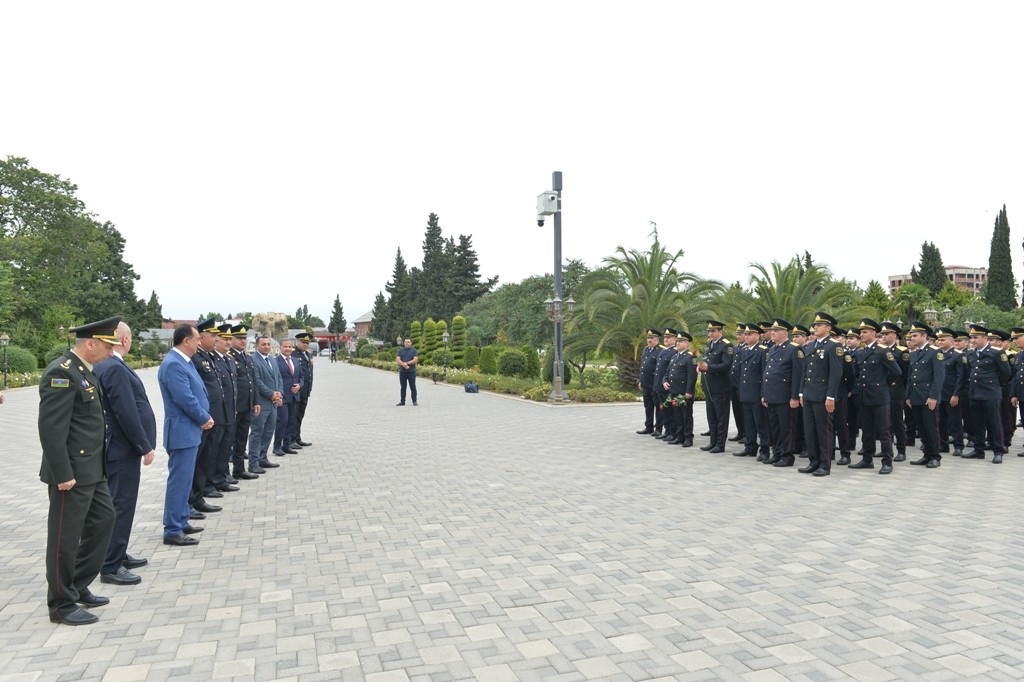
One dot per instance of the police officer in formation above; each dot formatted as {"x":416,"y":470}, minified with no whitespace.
{"x":246,"y":406}
{"x":645,"y":380}
{"x":715,"y":367}
{"x":954,"y":362}
{"x":989,"y":371}
{"x":302,"y":354}
{"x":680,"y":385}
{"x":877,"y":369}
{"x":661,"y":393}
{"x":925,"y":380}
{"x":780,"y":391}
{"x":750,"y":358}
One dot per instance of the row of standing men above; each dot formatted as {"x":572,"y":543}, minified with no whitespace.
{"x":813,"y":393}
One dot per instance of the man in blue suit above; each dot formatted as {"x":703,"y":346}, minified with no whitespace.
{"x":186,"y":416}
{"x":131,"y":438}
{"x":268,"y":395}
{"x":292,"y":379}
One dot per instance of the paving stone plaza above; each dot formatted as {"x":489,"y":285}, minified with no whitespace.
{"x":485,"y":537}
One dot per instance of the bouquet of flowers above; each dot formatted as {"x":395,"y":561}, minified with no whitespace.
{"x":675,"y":401}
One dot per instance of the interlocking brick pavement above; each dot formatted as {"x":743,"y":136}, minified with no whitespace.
{"x":485,"y":537}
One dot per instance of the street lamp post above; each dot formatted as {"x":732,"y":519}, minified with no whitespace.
{"x":550,"y":203}
{"x":4,"y":340}
{"x":444,"y":340}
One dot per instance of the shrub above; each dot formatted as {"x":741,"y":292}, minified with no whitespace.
{"x":513,"y":363}
{"x":458,"y":341}
{"x":472,"y":357}
{"x":601,"y":394}
{"x":538,"y":393}
{"x":549,"y":365}
{"x":367,"y":351}
{"x":151,"y":350}
{"x":22,"y":359}
{"x":488,"y":360}
{"x":532,"y":360}
{"x":55,"y":352}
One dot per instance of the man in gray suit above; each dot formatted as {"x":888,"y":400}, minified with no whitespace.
{"x":268,"y":389}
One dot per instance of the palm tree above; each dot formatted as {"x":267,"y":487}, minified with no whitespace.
{"x":796,"y":290}
{"x":633,"y":291}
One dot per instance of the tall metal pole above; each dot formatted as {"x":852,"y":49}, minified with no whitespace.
{"x":557,"y":374}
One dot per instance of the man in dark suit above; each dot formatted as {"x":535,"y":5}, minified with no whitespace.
{"x":681,"y":381}
{"x":186,"y":417}
{"x":951,"y":423}
{"x":131,"y":439}
{"x":268,"y":395}
{"x":990,"y":369}
{"x":924,"y":391}
{"x":751,"y":361}
{"x":665,"y":421}
{"x":645,"y":380}
{"x":246,"y":406}
{"x":306,"y":360}
{"x":292,"y":379}
{"x":889,"y":338}
{"x":72,"y":436}
{"x":822,"y":378}
{"x":227,"y":370}
{"x":780,"y":391}
{"x":715,"y":366}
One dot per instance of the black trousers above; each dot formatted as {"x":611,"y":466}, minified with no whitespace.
{"x":951,"y":427}
{"x":717,"y":405}
{"x":799,"y":442}
{"x":842,"y":425}
{"x":853,"y":419}
{"x":658,"y":395}
{"x":123,"y":476}
{"x":737,"y":413}
{"x":986,"y":415}
{"x":77,"y":536}
{"x":896,"y":424}
{"x":927,"y":422}
{"x":243,"y":420}
{"x":683,"y":421}
{"x":1009,"y":420}
{"x":223,"y":461}
{"x":780,"y":426}
{"x":300,"y":415}
{"x":650,"y":408}
{"x":754,"y":428}
{"x":818,"y":434}
{"x":874,"y":420}
{"x":206,"y":462}
{"x":407,"y":378}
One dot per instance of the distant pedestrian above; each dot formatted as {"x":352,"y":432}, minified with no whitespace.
{"x":406,"y":359}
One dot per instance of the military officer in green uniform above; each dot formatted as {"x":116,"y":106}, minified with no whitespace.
{"x":73,"y":437}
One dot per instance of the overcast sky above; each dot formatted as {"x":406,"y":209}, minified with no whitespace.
{"x":261,"y":156}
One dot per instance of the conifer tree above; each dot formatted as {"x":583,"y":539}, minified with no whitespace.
{"x":932,"y":273}
{"x":1000,"y":288}
{"x":337,"y":323}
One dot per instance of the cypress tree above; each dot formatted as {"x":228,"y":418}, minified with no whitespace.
{"x":1000,"y":290}
{"x":932,"y":273}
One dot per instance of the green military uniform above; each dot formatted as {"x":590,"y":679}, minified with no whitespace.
{"x":73,"y":436}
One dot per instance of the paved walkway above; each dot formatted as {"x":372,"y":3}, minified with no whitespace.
{"x":482,"y":537}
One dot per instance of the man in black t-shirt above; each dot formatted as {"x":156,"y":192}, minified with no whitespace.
{"x":407,"y":357}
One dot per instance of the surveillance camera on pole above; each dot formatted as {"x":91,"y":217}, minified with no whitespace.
{"x":548,"y":203}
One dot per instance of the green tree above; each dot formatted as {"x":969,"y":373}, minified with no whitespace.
{"x":488,"y":360}
{"x":635,"y":290}
{"x":796,"y":290}
{"x":876,"y":297}
{"x":458,"y":341}
{"x":398,"y":312}
{"x":337,"y":323}
{"x":429,"y":340}
{"x":440,"y":329}
{"x":910,"y":301}
{"x":415,"y":335}
{"x":1000,"y":287}
{"x":932,"y":273}
{"x":951,"y":296}
{"x":380,"y":325}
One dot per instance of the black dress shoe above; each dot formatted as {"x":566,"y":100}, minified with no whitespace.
{"x":269,"y":465}
{"x":821,"y":472}
{"x":399,"y":404}
{"x":289,"y":451}
{"x":194,"y":515}
{"x":228,"y":488}
{"x":180,"y":540}
{"x":294,"y":446}
{"x":997,"y":458}
{"x":303,"y":443}
{"x":862,"y":452}
{"x":706,"y":448}
{"x":737,"y":438}
{"x":662,"y":436}
{"x":192,"y":530}
{"x":672,"y":441}
{"x":207,"y":508}
{"x":213,"y":493}
{"x":230,"y":480}
{"x":741,"y":453}
{"x":958,"y":452}
{"x":279,"y":453}
{"x":90,"y":600}
{"x":256,"y":471}
{"x":900,"y":456}
{"x":885,"y":469}
{"x":655,"y":433}
{"x":716,"y":450}
{"x":920,"y":462}
{"x":72,"y":616}
{"x":933,"y":464}
{"x":414,"y":403}
{"x":706,"y":433}
{"x":786,"y":461}
{"x":688,"y":443}
{"x":645,"y":431}
{"x":133,"y":562}
{"x":247,"y":476}
{"x":122,"y":577}
{"x":844,"y":460}
{"x":807,"y":469}
{"x":974,"y":454}
{"x":863,"y":464}
{"x":761,"y":457}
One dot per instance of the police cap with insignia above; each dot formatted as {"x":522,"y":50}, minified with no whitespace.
{"x":943,"y":332}
{"x":684,"y":335}
{"x":224,"y":330}
{"x":715,"y":325}
{"x":824,"y":318}
{"x":103,"y":330}
{"x":779,"y":323}
{"x":890,"y":328}
{"x":852,"y":333}
{"x":653,"y":333}
{"x":240,"y":330}
{"x":305,"y":337}
{"x":921,"y":327}
{"x":1016,"y":332}
{"x":669,"y":331}
{"x":765,"y":326}
{"x":977,"y":330}
{"x":800,"y":329}
{"x":868,"y":323}
{"x":998,"y":334}
{"x":209,"y":325}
